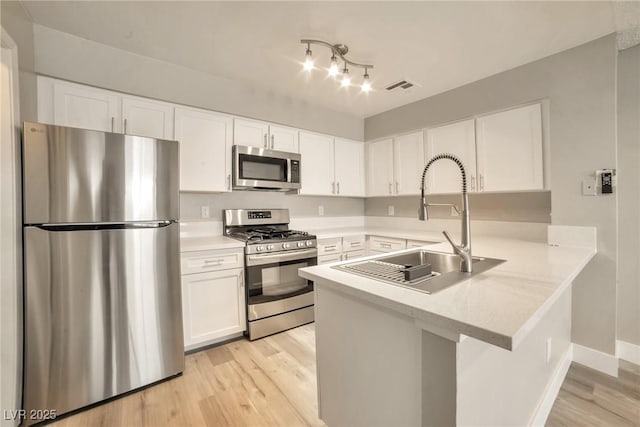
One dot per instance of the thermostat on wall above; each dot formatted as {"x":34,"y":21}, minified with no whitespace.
{"x":605,"y":181}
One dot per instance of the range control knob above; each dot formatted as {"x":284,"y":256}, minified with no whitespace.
{"x":259,"y":248}
{"x":309,"y":242}
{"x":269,"y":247}
{"x":300,"y":244}
{"x":286,"y":246}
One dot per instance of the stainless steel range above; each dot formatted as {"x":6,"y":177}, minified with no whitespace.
{"x":277,"y":298}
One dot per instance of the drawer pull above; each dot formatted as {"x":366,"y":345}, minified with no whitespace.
{"x":214,"y":261}
{"x":355,"y":244}
{"x":330,"y":248}
{"x":385,"y":245}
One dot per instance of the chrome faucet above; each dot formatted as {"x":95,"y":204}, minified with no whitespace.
{"x":464,"y":248}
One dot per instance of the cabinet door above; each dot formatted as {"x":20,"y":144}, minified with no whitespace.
{"x":213,"y":305}
{"x":457,"y":139}
{"x":251,"y":133}
{"x":205,"y":150}
{"x":316,"y":164}
{"x":380,"y":167}
{"x":283,"y":139}
{"x":349,"y":167}
{"x":85,"y":107}
{"x":326,"y":259}
{"x":510,"y":150}
{"x":145,"y":117}
{"x":408,"y":162}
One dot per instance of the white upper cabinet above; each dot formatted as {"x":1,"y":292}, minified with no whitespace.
{"x":252,"y":133}
{"x":316,"y":164}
{"x":349,"y":168}
{"x":147,"y":118}
{"x":380,"y":168}
{"x":408,"y":154}
{"x":509,"y":147}
{"x":457,"y":139}
{"x":283,"y":138}
{"x":205,"y":149}
{"x":255,"y":133}
{"x":80,"y":106}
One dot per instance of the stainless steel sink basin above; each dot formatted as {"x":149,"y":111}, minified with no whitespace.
{"x":445,"y":269}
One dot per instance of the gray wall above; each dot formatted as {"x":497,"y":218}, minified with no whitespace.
{"x":513,"y":207}
{"x":579,"y":85}
{"x":299,"y":206}
{"x":16,"y":23}
{"x":72,"y":58}
{"x":629,"y":195}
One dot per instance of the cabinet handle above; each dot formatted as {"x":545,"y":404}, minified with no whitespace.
{"x":241,"y":280}
{"x":113,"y":124}
{"x":125,"y":126}
{"x":338,"y":187}
{"x":481,"y":182}
{"x":266,"y":144}
{"x":386,"y":245}
{"x":397,"y":191}
{"x":473,"y":183}
{"x":330,"y":248}
{"x":390,"y":188}
{"x":273,"y":142}
{"x":229,"y":182}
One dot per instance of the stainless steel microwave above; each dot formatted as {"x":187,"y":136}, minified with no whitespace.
{"x":260,"y":169}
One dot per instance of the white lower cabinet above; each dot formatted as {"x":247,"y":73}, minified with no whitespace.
{"x":353,"y":254}
{"x":418,"y":243}
{"x":386,"y":244}
{"x":326,"y":259}
{"x":213,"y":301}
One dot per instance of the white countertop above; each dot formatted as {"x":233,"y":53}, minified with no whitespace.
{"x":205,"y":243}
{"x":499,"y":306}
{"x":428,"y":236}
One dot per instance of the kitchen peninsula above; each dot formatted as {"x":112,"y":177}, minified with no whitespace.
{"x":389,"y":355}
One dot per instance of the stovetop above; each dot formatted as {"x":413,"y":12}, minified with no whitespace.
{"x":272,"y":239}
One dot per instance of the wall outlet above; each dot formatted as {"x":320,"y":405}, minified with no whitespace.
{"x":589,"y":187}
{"x":548,"y":353}
{"x":320,"y":210}
{"x":391,"y":210}
{"x":454,"y":212}
{"x":204,"y":211}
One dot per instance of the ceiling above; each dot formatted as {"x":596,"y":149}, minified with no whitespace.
{"x":439,"y":45}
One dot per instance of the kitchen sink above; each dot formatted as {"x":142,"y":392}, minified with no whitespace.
{"x":439,"y":270}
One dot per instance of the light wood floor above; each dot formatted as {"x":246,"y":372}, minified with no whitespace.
{"x":591,"y":398}
{"x":272,"y":382}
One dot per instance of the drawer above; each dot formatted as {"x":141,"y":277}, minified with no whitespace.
{"x":353,"y":254}
{"x":418,"y":243}
{"x":386,"y":244}
{"x":353,"y":243}
{"x":329,"y":246}
{"x":213,"y":260}
{"x":326,"y":259}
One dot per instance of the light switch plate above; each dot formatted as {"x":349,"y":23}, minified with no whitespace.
{"x":320,"y":210}
{"x":204,"y":211}
{"x":391,"y":210}
{"x":589,"y":187}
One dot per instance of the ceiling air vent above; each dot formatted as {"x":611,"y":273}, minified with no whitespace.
{"x":401,"y":86}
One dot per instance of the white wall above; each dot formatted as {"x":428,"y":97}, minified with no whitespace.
{"x":65,"y":56}
{"x":629,"y":195}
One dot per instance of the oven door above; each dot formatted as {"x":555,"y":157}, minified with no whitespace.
{"x":272,"y":277}
{"x":257,"y":168}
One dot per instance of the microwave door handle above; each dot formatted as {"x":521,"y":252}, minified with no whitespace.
{"x":288,"y":170}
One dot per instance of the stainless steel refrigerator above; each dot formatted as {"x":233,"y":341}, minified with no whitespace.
{"x":103,"y":311}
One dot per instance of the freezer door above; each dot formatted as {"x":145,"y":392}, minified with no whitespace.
{"x":103,"y":313}
{"x":77,"y":176}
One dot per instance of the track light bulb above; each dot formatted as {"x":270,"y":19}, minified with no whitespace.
{"x":366,"y":84}
{"x":308,"y":62}
{"x":346,"y":79}
{"x":333,"y":68}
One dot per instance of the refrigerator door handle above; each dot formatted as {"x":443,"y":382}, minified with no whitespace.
{"x":103,"y":225}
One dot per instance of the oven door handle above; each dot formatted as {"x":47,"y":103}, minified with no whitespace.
{"x":286,"y":256}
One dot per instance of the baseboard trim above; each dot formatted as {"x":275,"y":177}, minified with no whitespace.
{"x":628,"y":351}
{"x":594,"y":359}
{"x":552,"y":390}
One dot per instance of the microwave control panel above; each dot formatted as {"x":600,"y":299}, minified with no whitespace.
{"x":295,"y":171}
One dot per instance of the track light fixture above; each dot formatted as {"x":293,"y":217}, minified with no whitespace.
{"x":337,"y":51}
